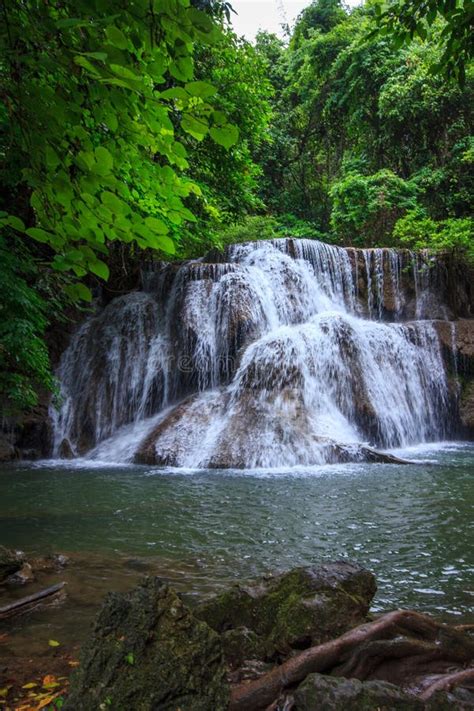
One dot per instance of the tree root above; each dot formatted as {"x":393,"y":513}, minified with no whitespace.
{"x":448,"y":681}
{"x":358,"y":652}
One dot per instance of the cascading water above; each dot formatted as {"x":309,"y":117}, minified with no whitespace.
{"x":275,"y":356}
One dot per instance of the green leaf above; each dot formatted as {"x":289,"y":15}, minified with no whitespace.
{"x":15,"y":222}
{"x":166,"y":244}
{"x":104,"y":159}
{"x":156,"y":225}
{"x":130,"y":658}
{"x":195,"y":127}
{"x":225,"y":136}
{"x":182,"y":68}
{"x":114,"y":203}
{"x":77,"y":292}
{"x":100,"y":269}
{"x":40,"y":235}
{"x":124,"y":72}
{"x":52,"y":159}
{"x":116,"y":37}
{"x":201,"y":89}
{"x":85,"y":64}
{"x":176,"y":92}
{"x":53,"y":643}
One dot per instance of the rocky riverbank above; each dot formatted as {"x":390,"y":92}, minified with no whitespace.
{"x":301,"y":641}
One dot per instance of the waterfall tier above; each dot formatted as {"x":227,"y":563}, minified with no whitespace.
{"x":278,"y":353}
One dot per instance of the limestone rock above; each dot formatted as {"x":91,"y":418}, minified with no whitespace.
{"x":304,"y":607}
{"x":148,"y":652}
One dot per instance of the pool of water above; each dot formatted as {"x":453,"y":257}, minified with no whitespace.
{"x":411,"y":525}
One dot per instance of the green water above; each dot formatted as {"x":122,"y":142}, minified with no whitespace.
{"x":411,"y":525}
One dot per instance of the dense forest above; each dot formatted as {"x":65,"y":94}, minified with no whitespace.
{"x":135,"y":131}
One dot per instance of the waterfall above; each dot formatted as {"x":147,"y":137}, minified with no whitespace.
{"x":283,"y":352}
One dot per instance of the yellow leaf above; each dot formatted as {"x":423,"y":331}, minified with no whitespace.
{"x":31,"y":685}
{"x":46,"y":701}
{"x":5,"y":690}
{"x":53,"y":643}
{"x":73,"y":663}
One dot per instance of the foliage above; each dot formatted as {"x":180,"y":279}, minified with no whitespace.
{"x":366,"y":207}
{"x":403,"y":20}
{"x":261,"y":227}
{"x":97,"y":107}
{"x":229,"y":179}
{"x":24,"y":360}
{"x":418,"y":231}
{"x":351,"y":107}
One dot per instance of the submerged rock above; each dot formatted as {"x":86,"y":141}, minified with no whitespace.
{"x":319,"y":692}
{"x":148,"y":652}
{"x":295,"y":610}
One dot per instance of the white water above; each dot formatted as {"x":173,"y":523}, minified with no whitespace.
{"x":284,"y":360}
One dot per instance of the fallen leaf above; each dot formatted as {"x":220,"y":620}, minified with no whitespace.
{"x":53,"y":643}
{"x":73,"y":663}
{"x":48,"y":700}
{"x":50,"y":681}
{"x":30,"y":685}
{"x":5,"y":690}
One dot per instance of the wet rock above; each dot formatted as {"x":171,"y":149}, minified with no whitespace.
{"x":65,"y":450}
{"x":49,"y":563}
{"x":22,"y":576}
{"x":10,"y":562}
{"x":466,"y":407}
{"x":295,"y":610}
{"x":457,"y":342}
{"x":148,"y":652}
{"x":319,"y":692}
{"x":7,"y":448}
{"x":179,"y":437}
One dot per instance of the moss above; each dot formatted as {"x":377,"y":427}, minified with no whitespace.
{"x":148,"y":651}
{"x":292,"y":611}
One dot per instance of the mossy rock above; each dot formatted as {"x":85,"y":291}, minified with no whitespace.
{"x":304,"y":607}
{"x":319,"y":692}
{"x":148,"y":652}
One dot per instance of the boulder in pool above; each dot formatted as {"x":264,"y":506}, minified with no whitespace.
{"x":295,"y":610}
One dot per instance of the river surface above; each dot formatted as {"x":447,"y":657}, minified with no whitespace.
{"x":411,"y":525}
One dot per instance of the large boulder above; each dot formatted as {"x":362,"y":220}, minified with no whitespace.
{"x":304,"y":607}
{"x":148,"y":652}
{"x":318,"y":692}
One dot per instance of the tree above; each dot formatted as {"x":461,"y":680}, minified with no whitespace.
{"x":97,"y":107}
{"x":24,"y":359}
{"x":448,"y":23}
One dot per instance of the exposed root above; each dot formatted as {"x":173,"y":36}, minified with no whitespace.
{"x":448,"y":681}
{"x":358,"y":652}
